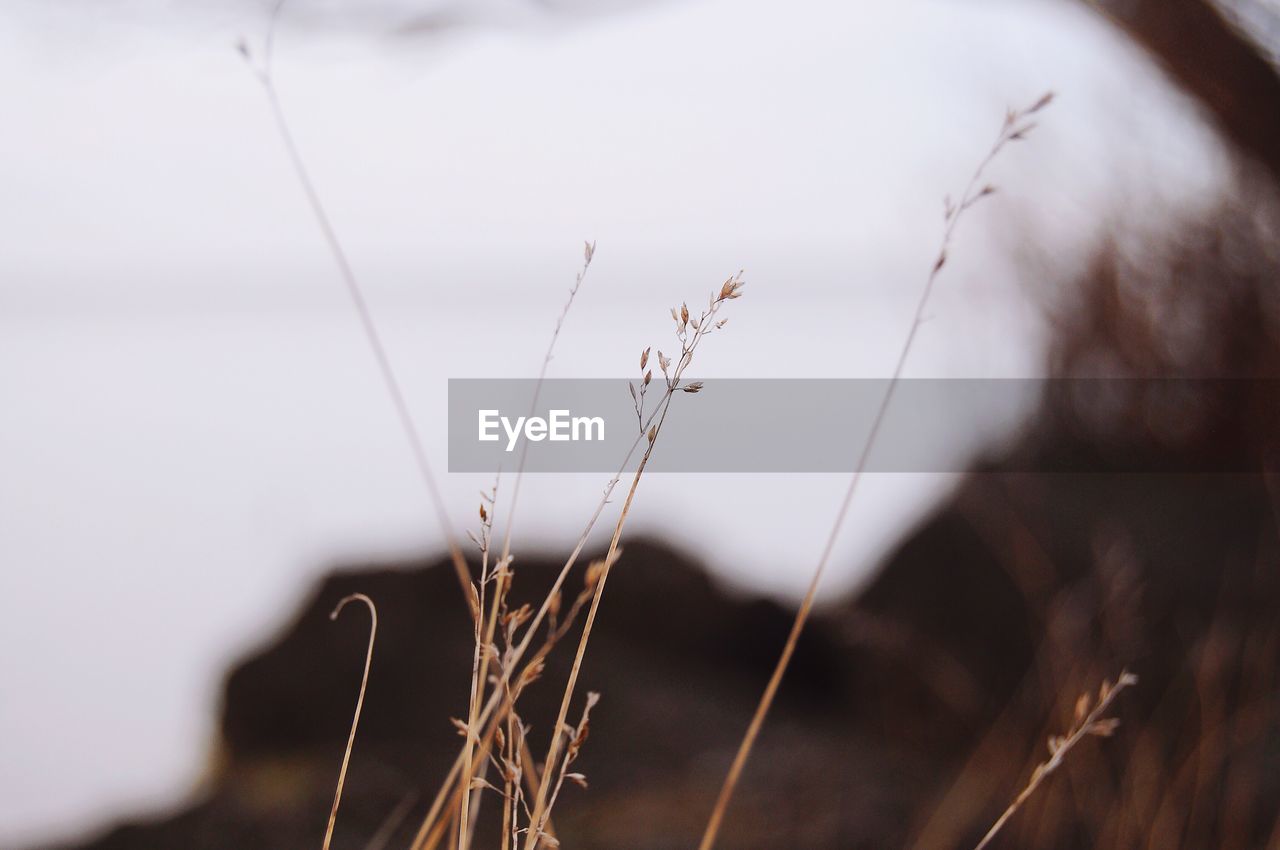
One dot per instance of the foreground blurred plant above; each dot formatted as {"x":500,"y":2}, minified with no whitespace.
{"x":262,"y":70}
{"x":1086,"y":721}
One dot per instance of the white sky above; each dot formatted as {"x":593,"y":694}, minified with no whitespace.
{"x":191,"y":429}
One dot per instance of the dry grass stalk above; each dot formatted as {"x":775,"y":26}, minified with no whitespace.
{"x":502,"y":583}
{"x":500,"y":700}
{"x":495,"y":708}
{"x":263,"y":72}
{"x":429,"y":832}
{"x":516,"y":763}
{"x":701,"y":327}
{"x":1015,"y":128}
{"x":588,"y":254}
{"x":355,"y":718}
{"x":432,"y":830}
{"x":575,"y":737}
{"x":477,"y":596}
{"x":1086,"y":722}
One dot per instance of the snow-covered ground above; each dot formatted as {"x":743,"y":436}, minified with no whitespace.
{"x":191,"y":427}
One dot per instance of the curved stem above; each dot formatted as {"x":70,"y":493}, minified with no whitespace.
{"x":355,"y":719}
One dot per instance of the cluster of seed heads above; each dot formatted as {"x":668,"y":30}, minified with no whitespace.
{"x":1017,"y":125}
{"x":689,"y":332}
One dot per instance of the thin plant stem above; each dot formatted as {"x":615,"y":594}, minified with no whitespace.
{"x":481,"y":649}
{"x":589,"y":252}
{"x":482,"y":674}
{"x":380,"y":839}
{"x":356,"y":292}
{"x":538,"y":818}
{"x":1092,"y":723}
{"x":355,"y":719}
{"x":702,"y":327}
{"x":517,"y":654}
{"x":1012,"y":130}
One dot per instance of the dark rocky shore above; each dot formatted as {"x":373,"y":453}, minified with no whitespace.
{"x":909,"y":718}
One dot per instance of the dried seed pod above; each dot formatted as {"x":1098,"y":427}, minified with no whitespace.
{"x":1104,"y":728}
{"x":1082,"y":707}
